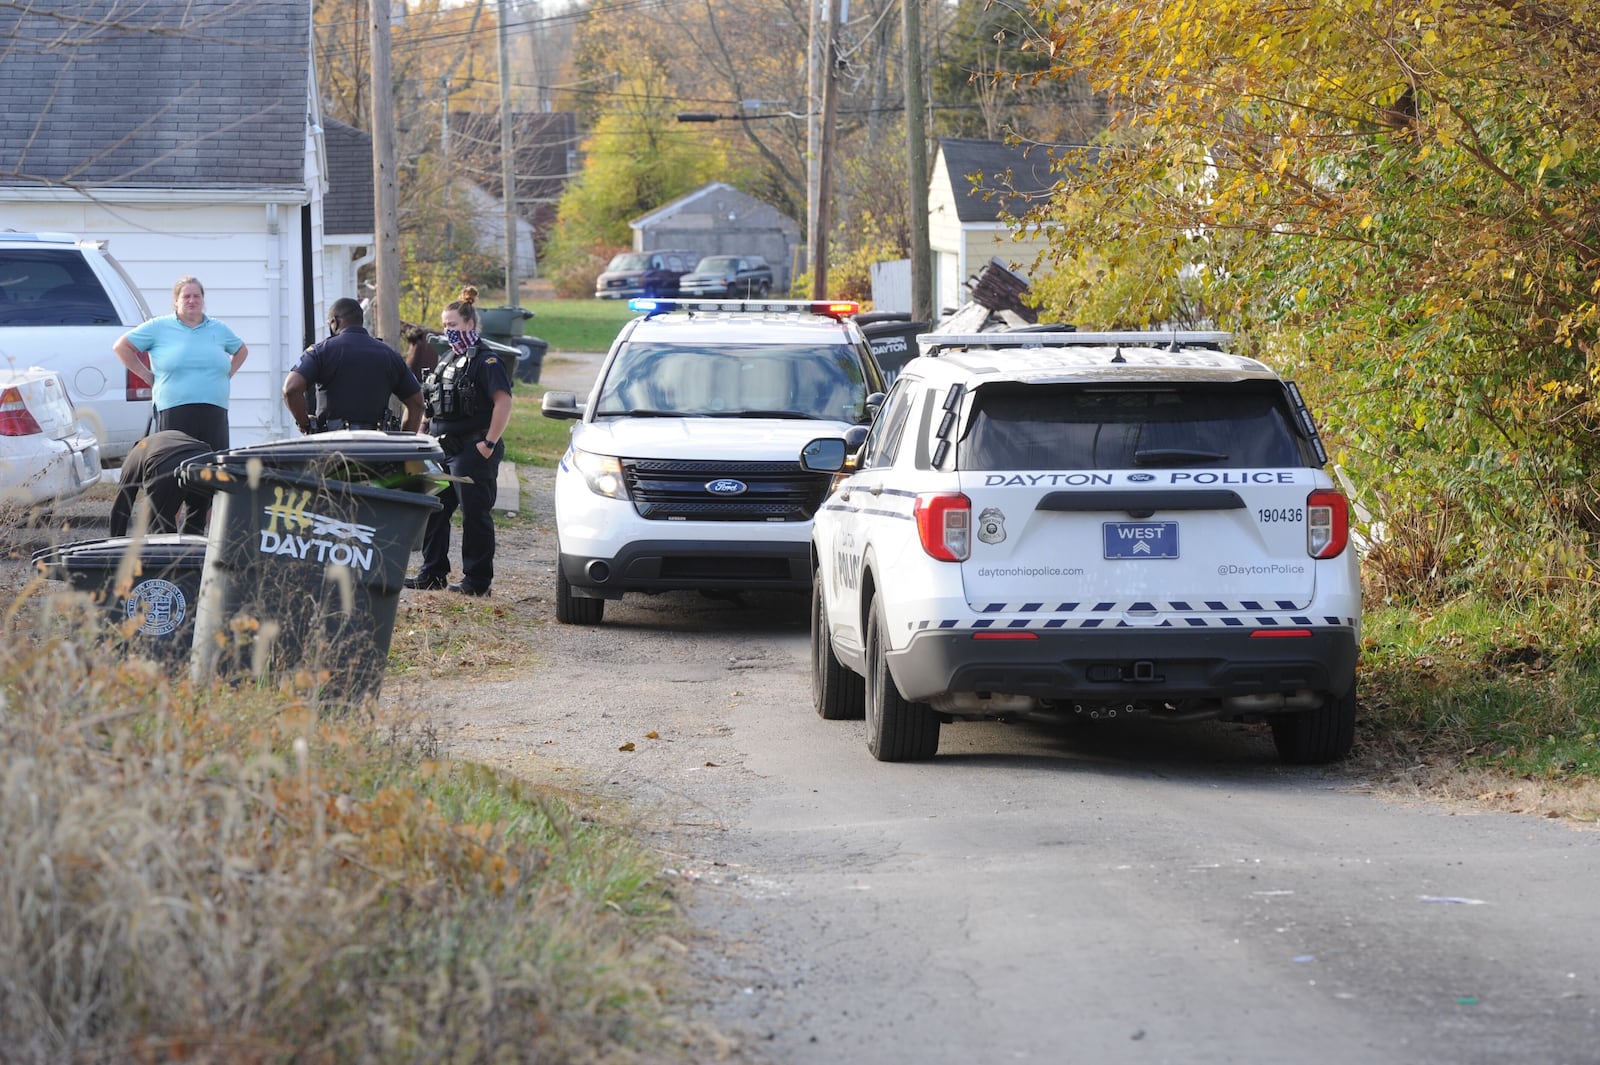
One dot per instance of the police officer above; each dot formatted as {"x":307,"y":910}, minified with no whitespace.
{"x":468,"y":399}
{"x":354,"y":374}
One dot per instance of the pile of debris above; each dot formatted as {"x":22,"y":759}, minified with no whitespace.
{"x":996,"y":303}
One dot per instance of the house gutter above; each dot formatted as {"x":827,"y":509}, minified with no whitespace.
{"x":113,"y":194}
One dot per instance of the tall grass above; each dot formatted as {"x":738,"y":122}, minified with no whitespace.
{"x":209,"y":875}
{"x":1510,"y":686}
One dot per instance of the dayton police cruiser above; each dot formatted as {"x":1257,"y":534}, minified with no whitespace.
{"x":1085,"y":524}
{"x":682,"y":470}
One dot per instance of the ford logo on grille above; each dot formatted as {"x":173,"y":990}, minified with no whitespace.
{"x":1141,"y":478}
{"x":725,"y":486}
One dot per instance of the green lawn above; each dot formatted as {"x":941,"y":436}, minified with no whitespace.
{"x":577,"y":325}
{"x":531,"y":438}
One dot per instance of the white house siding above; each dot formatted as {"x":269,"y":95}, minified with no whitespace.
{"x":946,"y":282}
{"x":944,"y":240}
{"x":996,"y":241}
{"x":251,"y":276}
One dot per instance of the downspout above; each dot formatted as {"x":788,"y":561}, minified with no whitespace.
{"x":278,"y":423}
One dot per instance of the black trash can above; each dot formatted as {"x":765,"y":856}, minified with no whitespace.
{"x":306,"y":555}
{"x":893,"y":341}
{"x":149,"y":588}
{"x":531,"y":363}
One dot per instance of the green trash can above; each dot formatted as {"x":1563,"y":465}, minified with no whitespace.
{"x":149,"y":588}
{"x":307,"y":552}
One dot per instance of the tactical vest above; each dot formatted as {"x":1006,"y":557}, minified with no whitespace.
{"x":449,"y":392}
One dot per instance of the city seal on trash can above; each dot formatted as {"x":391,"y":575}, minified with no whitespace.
{"x":288,"y":517}
{"x":159,"y":604}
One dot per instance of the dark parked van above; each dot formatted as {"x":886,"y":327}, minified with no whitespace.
{"x":644,"y":273}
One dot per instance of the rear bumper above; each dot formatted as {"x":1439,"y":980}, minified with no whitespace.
{"x":42,"y":469}
{"x":1096,"y":666}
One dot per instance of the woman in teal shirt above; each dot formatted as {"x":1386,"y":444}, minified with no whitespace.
{"x":192,"y":358}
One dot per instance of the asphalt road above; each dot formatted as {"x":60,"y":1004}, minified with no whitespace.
{"x":1122,"y":892}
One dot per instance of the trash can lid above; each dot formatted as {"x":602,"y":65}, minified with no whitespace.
{"x":364,"y":446}
{"x":503,"y":319}
{"x":161,"y":551}
{"x":894,"y":328}
{"x":874,"y":317}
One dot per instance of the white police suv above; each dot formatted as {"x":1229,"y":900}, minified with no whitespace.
{"x":1085,"y":524}
{"x":682,"y":470}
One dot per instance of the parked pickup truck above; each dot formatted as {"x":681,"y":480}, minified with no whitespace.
{"x":732,"y":276}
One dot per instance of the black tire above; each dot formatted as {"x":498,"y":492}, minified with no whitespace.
{"x":572,"y":609}
{"x":836,"y":692}
{"x":762,"y":290}
{"x":1311,"y":737}
{"x":898,"y":730}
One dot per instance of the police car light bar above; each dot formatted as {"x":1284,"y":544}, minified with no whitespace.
{"x":830,"y":308}
{"x":1149,"y":338}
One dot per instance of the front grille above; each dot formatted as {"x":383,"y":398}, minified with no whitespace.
{"x":664,"y":489}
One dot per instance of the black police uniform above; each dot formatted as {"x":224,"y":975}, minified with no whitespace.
{"x":152,"y":465}
{"x":458,"y":395}
{"x":355,"y":374}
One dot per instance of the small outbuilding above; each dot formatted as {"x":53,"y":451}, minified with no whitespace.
{"x":718,"y":219}
{"x":974,"y":186}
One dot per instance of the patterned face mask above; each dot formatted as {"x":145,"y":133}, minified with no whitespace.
{"x":461,"y":339}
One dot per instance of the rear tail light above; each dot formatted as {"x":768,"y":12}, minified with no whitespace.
{"x":1327,"y":523}
{"x":944,"y":524}
{"x":135,"y":386}
{"x":14,"y":417}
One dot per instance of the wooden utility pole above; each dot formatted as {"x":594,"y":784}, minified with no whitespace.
{"x":813,"y":132}
{"x":386,"y":207}
{"x":822,"y":211}
{"x":508,"y":162}
{"x":917,"y":167}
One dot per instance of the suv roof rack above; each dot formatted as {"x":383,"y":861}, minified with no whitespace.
{"x":837,"y":309}
{"x":1172,"y":339}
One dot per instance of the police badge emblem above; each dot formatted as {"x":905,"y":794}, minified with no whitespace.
{"x":991,"y":525}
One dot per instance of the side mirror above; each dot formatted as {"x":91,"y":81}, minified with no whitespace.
{"x":874,"y":404}
{"x":561,"y":405}
{"x":824,"y":455}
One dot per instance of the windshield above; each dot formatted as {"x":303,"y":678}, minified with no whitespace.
{"x":716,"y":264}
{"x":1236,"y":426}
{"x":750,"y":380}
{"x":629,"y":261}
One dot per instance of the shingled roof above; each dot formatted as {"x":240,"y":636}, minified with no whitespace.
{"x":1011,"y":177}
{"x":348,"y":208}
{"x":112,"y":94}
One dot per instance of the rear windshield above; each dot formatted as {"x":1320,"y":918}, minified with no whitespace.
{"x":752,"y":380}
{"x":1240,"y":425}
{"x":51,"y":286}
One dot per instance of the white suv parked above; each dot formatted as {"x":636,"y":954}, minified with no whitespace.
{"x":682,"y":471}
{"x":63,"y":303}
{"x":1090,"y":524}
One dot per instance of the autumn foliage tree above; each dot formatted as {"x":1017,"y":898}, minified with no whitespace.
{"x":1398,"y":203}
